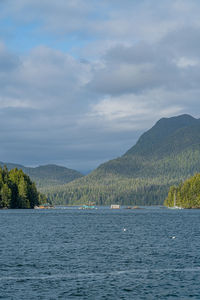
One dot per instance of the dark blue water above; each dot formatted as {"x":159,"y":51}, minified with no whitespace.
{"x":81,"y":254}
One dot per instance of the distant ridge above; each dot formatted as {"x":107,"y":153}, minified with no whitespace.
{"x":164,"y":155}
{"x":47,"y":175}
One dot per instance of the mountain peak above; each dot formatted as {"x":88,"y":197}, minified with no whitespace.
{"x":149,"y":141}
{"x":184,"y":119}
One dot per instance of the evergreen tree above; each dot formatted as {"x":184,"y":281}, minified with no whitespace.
{"x":5,"y":195}
{"x":17,"y":190}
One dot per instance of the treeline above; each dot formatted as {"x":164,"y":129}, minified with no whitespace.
{"x":17,"y":190}
{"x":186,"y":195}
{"x":129,"y":180}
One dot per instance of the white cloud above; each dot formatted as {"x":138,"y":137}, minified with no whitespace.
{"x":14,"y":103}
{"x":134,"y":112}
{"x":184,"y":62}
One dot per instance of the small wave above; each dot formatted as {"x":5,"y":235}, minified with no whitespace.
{"x":85,"y":275}
{"x":197,"y":269}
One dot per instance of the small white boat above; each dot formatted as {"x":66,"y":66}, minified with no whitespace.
{"x":175,"y":206}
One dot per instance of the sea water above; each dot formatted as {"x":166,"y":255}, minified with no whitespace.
{"x":150,"y":253}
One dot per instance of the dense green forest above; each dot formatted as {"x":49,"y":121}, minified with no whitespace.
{"x":186,"y":195}
{"x":47,"y":175}
{"x":17,"y":190}
{"x":165,"y":155}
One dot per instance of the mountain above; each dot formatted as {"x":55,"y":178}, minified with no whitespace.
{"x":165,"y":155}
{"x":47,"y":175}
{"x":161,"y":136}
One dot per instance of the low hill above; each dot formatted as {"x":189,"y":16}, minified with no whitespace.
{"x":164,"y":155}
{"x":47,"y":175}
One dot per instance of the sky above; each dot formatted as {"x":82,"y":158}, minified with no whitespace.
{"x":80,"y":80}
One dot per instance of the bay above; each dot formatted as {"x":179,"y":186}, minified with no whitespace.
{"x":150,"y":253}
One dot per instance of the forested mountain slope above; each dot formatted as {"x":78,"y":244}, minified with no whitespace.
{"x":165,"y":155}
{"x":47,"y":175}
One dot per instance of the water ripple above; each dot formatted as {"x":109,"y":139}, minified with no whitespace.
{"x":68,"y":254}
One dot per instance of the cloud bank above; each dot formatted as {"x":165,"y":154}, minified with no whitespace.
{"x":125,"y":66}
